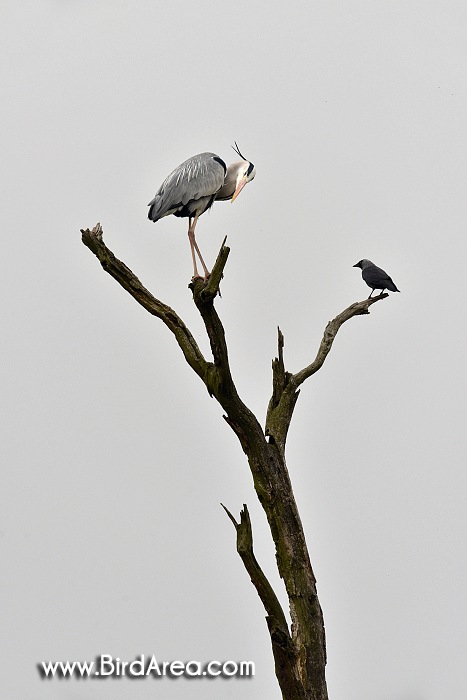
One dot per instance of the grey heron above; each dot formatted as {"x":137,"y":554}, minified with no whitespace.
{"x":375,"y":277}
{"x":194,"y":186}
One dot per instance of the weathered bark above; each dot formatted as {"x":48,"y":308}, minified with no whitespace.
{"x":299,"y":653}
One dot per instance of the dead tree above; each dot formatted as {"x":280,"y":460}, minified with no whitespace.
{"x":299,"y":651}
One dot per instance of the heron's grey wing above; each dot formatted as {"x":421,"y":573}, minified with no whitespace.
{"x":199,"y":176}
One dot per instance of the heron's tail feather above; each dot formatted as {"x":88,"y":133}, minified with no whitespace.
{"x":153,"y":209}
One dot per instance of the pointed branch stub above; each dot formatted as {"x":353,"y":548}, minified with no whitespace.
{"x":208,"y":290}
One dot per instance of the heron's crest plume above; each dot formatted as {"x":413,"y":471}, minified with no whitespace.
{"x":237,"y":150}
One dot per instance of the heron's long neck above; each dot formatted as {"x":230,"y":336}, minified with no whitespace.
{"x":230,"y":182}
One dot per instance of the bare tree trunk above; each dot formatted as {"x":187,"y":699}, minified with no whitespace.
{"x":299,"y":652}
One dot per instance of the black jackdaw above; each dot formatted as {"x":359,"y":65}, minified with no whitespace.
{"x":375,"y":277}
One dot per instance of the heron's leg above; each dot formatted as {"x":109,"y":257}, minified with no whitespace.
{"x":206,"y":271}
{"x":191,"y":238}
{"x":194,"y":247}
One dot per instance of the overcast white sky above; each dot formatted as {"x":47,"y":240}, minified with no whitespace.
{"x":114,"y":459}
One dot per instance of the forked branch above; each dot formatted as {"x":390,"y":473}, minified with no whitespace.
{"x":285,"y":386}
{"x":299,"y":653}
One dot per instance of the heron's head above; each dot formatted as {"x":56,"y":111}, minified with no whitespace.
{"x":243,"y":172}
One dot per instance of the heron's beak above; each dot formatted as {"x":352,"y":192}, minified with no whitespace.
{"x":240,"y":187}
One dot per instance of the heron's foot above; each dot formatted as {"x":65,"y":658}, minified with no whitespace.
{"x":200,"y":277}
